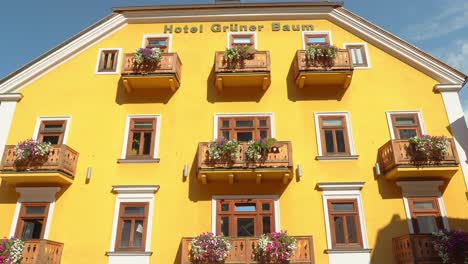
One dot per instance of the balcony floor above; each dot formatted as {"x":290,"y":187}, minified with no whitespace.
{"x":35,"y":177}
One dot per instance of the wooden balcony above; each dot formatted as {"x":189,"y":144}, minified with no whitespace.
{"x":396,"y":162}
{"x":249,"y":73}
{"x":166,"y":74}
{"x":58,"y":167}
{"x":415,"y":249}
{"x":242,"y":251}
{"x":42,"y":252}
{"x":274,"y":167}
{"x":321,"y":73}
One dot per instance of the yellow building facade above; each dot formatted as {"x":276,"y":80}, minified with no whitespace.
{"x":130,"y":176}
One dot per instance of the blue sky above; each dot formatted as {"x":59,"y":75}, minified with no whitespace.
{"x":30,"y":28}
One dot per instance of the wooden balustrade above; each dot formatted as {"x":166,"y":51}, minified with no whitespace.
{"x":242,"y":251}
{"x":397,"y":152}
{"x":414,"y":249}
{"x":42,"y":252}
{"x":170,"y":63}
{"x":60,"y":158}
{"x":341,"y":62}
{"x":259,"y":63}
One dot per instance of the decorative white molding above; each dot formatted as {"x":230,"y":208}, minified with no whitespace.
{"x":390,"y":121}
{"x":52,"y":118}
{"x":326,"y":32}
{"x":217,"y":116}
{"x":366,"y":51}
{"x":117,"y":67}
{"x":11,"y":97}
{"x":168,"y":36}
{"x":7,"y":111}
{"x":348,"y":128}
{"x":229,"y":34}
{"x":135,"y":189}
{"x":448,"y":87}
{"x":156,"y":136}
{"x":340,"y":186}
{"x":275,"y":199}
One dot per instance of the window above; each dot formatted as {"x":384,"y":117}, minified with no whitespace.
{"x":242,"y":40}
{"x":245,"y":218}
{"x":108,"y":61}
{"x":158,"y":42}
{"x":334,"y":135}
{"x":244,"y":128}
{"x":344,"y":223}
{"x":425,"y":215}
{"x":358,"y":55}
{"x":52,"y":131}
{"x":316,"y":39}
{"x":32,"y":221}
{"x":141,"y":138}
{"x":131,"y":227}
{"x":406,"y":126}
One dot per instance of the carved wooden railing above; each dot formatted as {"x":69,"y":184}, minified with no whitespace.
{"x":397,"y":152}
{"x":170,"y":64}
{"x":259,"y":63}
{"x":42,"y":252}
{"x":242,"y":251}
{"x":414,"y":249}
{"x":340,"y":63}
{"x":280,"y":158}
{"x":61,"y":158}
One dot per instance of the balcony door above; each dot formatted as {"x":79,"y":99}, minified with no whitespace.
{"x":244,"y":128}
{"x":425,"y":214}
{"x":245,"y":217}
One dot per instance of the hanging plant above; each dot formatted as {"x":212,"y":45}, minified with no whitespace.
{"x":11,"y":251}
{"x":325,"y":54}
{"x":428,"y":148}
{"x":147,"y":55}
{"x":30,"y":149}
{"x":451,"y":246}
{"x":208,"y":248}
{"x":236,"y":55}
{"x":275,"y":248}
{"x":223,"y":150}
{"x":258,"y":149}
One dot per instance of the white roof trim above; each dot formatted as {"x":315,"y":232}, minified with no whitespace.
{"x":11,"y":97}
{"x":135,"y":188}
{"x":340,"y":186}
{"x":448,"y":87}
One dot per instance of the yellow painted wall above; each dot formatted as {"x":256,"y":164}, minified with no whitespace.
{"x":98,"y":106}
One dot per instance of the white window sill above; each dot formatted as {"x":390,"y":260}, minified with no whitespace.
{"x":348,"y":250}
{"x":348,"y":157}
{"x":138,"y":161}
{"x":129,"y":253}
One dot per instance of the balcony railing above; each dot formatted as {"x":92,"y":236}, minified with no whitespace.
{"x":415,"y":249}
{"x":321,"y":71}
{"x":168,"y":70}
{"x":259,"y":63}
{"x":61,"y":158}
{"x":42,"y":252}
{"x":397,"y":153}
{"x":242,"y":251}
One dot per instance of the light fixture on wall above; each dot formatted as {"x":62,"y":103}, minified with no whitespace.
{"x":185,"y":170}
{"x":299,"y":170}
{"x":377,"y":168}
{"x":89,"y":170}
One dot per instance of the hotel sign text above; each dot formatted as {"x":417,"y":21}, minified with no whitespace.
{"x":169,"y":29}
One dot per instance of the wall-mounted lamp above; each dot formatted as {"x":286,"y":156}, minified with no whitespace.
{"x":185,"y":170}
{"x":299,"y":170}
{"x":377,"y":168}
{"x":88,"y":174}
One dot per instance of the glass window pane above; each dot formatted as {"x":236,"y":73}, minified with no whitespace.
{"x":266,"y":221}
{"x":52,"y":127}
{"x":353,"y":56}
{"x":245,"y":227}
{"x":339,"y":229}
{"x":317,"y":39}
{"x":332,"y":122}
{"x":329,"y":141}
{"x":423,"y":205}
{"x":343,"y":207}
{"x":245,"y":207}
{"x":138,"y":233}
{"x":51,"y":139}
{"x":266,"y":207}
{"x":359,"y":56}
{"x":35,"y":210}
{"x":146,"y":125}
{"x":263,"y":134}
{"x":244,"y":123}
{"x":225,"y":123}
{"x":244,"y":136}
{"x":32,"y":229}
{"x":157,"y":42}
{"x":133,"y":210}
{"x":263,"y":123}
{"x":136,"y":143}
{"x":147,"y":144}
{"x":405,"y":121}
{"x":340,"y":141}
{"x":224,"y":207}
{"x":225,"y":226}
{"x":225,"y":134}
{"x":241,"y":40}
{"x":407,"y":133}
{"x":125,"y":234}
{"x":351,"y":227}
{"x":427,"y":224}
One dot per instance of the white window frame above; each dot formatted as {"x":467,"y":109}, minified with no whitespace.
{"x":119,"y":61}
{"x":168,"y":36}
{"x":215,"y":198}
{"x":33,"y":195}
{"x":229,"y":34}
{"x":390,"y":122}
{"x":156,"y":136}
{"x":317,"y":116}
{"x":217,"y":116}
{"x":304,"y":33}
{"x":343,"y":190}
{"x":366,"y":51}
{"x":422,"y":189}
{"x":53,"y":118}
{"x":133,"y":194}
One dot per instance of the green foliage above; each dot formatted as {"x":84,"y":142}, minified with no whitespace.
{"x":234,"y":56}
{"x":315,"y":52}
{"x":257,"y":149}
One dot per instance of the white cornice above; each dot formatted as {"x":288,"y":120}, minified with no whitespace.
{"x":340,"y":186}
{"x":11,"y":97}
{"x":420,"y":188}
{"x":448,"y":87}
{"x":135,"y":189}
